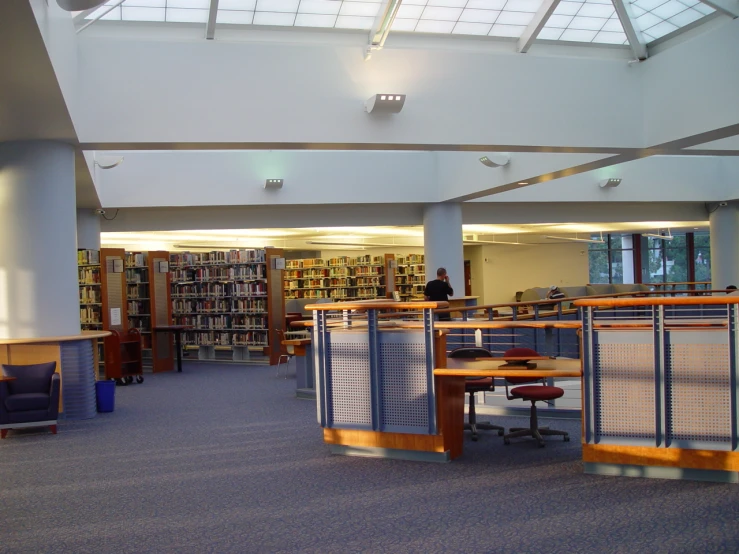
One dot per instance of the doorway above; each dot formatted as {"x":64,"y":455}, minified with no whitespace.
{"x":467,"y":278}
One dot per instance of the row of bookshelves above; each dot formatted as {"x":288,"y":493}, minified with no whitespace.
{"x":246,"y":256}
{"x":220,"y":338}
{"x":221,"y":273}
{"x":222,"y":305}
{"x":223,"y":322}
{"x":339,"y":261}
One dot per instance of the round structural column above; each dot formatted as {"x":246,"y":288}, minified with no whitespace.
{"x":442,"y":240}
{"x":39,"y":294}
{"x":724,"y":222}
{"x":88,"y":229}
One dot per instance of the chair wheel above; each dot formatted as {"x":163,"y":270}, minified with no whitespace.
{"x":474,"y":438}
{"x":121,"y":382}
{"x":567,"y":438}
{"x":140,"y":379}
{"x":506,"y":441}
{"x":129,"y":379}
{"x":501,"y":432}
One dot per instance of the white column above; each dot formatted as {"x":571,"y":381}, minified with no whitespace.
{"x":724,"y":222}
{"x":442,"y":243}
{"x":627,"y":258}
{"x":88,"y":229}
{"x":38,"y":252}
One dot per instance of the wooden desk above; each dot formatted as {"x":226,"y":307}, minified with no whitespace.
{"x":450,"y":392}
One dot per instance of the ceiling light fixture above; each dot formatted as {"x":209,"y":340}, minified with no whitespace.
{"x":522,"y":183}
{"x":495,"y":160}
{"x":577,"y":239}
{"x":613,"y":182}
{"x":659,"y":235}
{"x":371,"y":244}
{"x":109,"y":165}
{"x":385,"y":103}
{"x":381,"y":27}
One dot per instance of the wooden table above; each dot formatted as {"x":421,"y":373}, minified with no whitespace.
{"x":177,"y":331}
{"x":450,"y":392}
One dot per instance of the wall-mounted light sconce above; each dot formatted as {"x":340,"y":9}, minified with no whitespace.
{"x":495,"y":160}
{"x":609,"y":183}
{"x":385,"y":103}
{"x":273,"y":184}
{"x":109,"y":165}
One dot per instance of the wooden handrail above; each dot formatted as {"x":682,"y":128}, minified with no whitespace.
{"x":660,"y":301}
{"x":377,"y":305}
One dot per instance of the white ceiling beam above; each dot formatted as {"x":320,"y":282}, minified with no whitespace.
{"x":537,"y":24}
{"x":728,"y":7}
{"x":105,"y":10}
{"x":381,"y":27}
{"x":636,"y":39}
{"x":210,"y":28}
{"x":84,"y":13}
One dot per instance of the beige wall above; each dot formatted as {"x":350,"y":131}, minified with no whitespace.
{"x":475,"y":255}
{"x":507,"y":269}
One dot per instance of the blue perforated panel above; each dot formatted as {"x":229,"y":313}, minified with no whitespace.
{"x":78,"y":380}
{"x":350,"y":381}
{"x":403,"y":387}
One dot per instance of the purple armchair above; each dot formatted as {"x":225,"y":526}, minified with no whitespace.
{"x":31,"y":399}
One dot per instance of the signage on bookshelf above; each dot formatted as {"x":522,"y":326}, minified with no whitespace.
{"x":279,"y":263}
{"x":162,"y":267}
{"x":115,"y":316}
{"x":117,"y":266}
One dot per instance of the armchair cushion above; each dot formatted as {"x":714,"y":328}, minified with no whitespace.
{"x":25,"y":402}
{"x":33,"y":378}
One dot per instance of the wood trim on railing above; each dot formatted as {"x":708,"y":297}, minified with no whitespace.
{"x":378,"y":305}
{"x":661,"y":301}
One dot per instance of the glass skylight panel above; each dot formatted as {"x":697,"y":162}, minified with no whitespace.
{"x":613,"y":25}
{"x":321,"y":7}
{"x":485,"y":4}
{"x":354,"y":22}
{"x":559,"y":21}
{"x":359,"y":8}
{"x":409,"y":12}
{"x":188,"y":4}
{"x":408,"y":25}
{"x":590,"y":9}
{"x":233,"y":17}
{"x":648,"y":5}
{"x":441,"y":14}
{"x":479,"y":16}
{"x":530,"y":6}
{"x":514,"y":18}
{"x":464,"y":28}
{"x":514,"y":31}
{"x":685,"y":18}
{"x":578,"y":35}
{"x":273,"y":18}
{"x":448,"y":3}
{"x":567,"y":8}
{"x":188,"y":15}
{"x":238,"y":5}
{"x":587,"y":23}
{"x":144,"y":4}
{"x":550,"y":33}
{"x":278,"y":6}
{"x":428,"y":26}
{"x":129,"y":13}
{"x":660,"y":30}
{"x":314,"y":20}
{"x":646,"y":21}
{"x":705,"y":9}
{"x":606,"y":37}
{"x":669,"y":9}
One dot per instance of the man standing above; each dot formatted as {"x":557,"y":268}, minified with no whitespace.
{"x":439,"y":290}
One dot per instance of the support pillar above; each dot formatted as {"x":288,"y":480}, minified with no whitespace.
{"x":442,"y":240}
{"x":724,"y":221}
{"x":39,"y":294}
{"x":88,"y":229}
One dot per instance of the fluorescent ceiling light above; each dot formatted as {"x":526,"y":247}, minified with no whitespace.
{"x":381,"y":27}
{"x":371,"y":244}
{"x":471,"y":242}
{"x":668,"y":236}
{"x":577,"y":239}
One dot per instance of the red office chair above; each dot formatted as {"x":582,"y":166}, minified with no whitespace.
{"x":533,"y":394}
{"x":473,"y":385}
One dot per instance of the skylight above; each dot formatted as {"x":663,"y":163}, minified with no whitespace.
{"x":593,"y":21}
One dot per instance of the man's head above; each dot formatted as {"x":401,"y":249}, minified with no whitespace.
{"x":440,"y":273}
{"x":731,"y":287}
{"x":553,"y":287}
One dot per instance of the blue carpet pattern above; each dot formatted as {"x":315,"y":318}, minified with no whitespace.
{"x":224,"y":458}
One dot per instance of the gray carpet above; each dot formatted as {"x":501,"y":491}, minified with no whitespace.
{"x":224,"y":458}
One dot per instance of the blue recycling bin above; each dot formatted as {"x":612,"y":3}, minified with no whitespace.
{"x":105,"y":392}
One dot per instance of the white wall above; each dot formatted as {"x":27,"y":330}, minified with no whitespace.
{"x":237,"y":178}
{"x":507,"y":269}
{"x":170,"y":91}
{"x":692,"y":87}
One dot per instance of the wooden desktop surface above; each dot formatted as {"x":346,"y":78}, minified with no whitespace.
{"x":492,"y":367}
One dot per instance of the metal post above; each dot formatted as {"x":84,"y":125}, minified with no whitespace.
{"x":588,"y":335}
{"x":733,"y":312}
{"x":321,"y":362}
{"x":428,"y":331}
{"x":660,"y":368}
{"x":374,"y":369}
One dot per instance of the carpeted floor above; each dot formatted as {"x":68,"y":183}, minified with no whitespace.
{"x":224,"y":458}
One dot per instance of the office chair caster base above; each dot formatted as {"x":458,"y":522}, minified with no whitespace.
{"x":139,"y":379}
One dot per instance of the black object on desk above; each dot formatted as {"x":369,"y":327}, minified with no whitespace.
{"x":176,"y":330}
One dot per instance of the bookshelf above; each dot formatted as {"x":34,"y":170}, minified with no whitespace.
{"x":410,"y":276}
{"x":229,"y":299}
{"x":340,"y":278}
{"x":149,"y":305}
{"x":90,"y":290}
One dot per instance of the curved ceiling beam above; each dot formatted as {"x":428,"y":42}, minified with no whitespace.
{"x":636,"y":39}
{"x":537,"y":24}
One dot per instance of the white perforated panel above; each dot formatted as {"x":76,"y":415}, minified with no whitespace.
{"x":350,"y":383}
{"x":624,"y":386}
{"x":404,"y":385}
{"x":699,"y":404}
